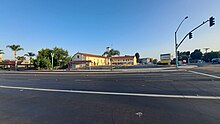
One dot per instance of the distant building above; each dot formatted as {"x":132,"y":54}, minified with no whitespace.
{"x":83,"y":60}
{"x":10,"y":64}
{"x":0,"y":57}
{"x":124,"y":60}
{"x":146,"y":60}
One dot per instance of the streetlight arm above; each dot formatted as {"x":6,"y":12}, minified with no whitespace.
{"x":176,"y":44}
{"x":181,"y":23}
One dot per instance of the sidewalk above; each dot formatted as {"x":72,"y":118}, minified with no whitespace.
{"x":215,"y":68}
{"x":162,"y":69}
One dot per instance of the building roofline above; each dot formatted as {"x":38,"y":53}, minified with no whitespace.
{"x":90,"y":55}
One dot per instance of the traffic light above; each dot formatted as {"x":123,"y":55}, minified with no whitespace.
{"x":190,"y":35}
{"x":211,"y":21}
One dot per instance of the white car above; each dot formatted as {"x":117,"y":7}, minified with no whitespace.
{"x":216,"y":60}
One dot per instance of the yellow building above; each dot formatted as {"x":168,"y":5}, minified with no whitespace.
{"x":124,"y":60}
{"x":0,"y":57}
{"x":82,"y":60}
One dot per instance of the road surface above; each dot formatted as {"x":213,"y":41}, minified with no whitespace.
{"x":110,"y":98}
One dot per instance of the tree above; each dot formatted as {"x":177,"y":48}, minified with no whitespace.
{"x":44,"y":56}
{"x":1,"y":52}
{"x":196,"y":55}
{"x":111,"y":53}
{"x":15,"y":49}
{"x":184,"y":55}
{"x":42,"y":63}
{"x":22,"y":58}
{"x":137,"y":55}
{"x":155,"y":61}
{"x":210,"y":55}
{"x":30,"y":55}
{"x":60,"y":56}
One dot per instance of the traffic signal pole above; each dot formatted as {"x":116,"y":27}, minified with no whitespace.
{"x":176,"y":44}
{"x":176,"y":52}
{"x":212,"y":22}
{"x":191,"y":33}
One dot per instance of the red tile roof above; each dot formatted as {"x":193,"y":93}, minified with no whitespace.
{"x":91,"y":55}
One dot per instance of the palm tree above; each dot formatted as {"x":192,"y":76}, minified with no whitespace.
{"x":15,"y":48}
{"x":1,"y":52}
{"x":111,"y":53}
{"x":30,"y":55}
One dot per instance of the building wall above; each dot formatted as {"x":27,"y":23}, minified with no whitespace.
{"x":96,"y":61}
{"x":124,"y":60}
{"x":78,"y":57}
{"x":0,"y":57}
{"x":135,"y":60}
{"x":102,"y":61}
{"x":146,"y":60}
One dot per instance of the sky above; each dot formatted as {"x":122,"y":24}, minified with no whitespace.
{"x":130,"y":26}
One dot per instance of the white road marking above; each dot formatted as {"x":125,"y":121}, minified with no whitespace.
{"x":112,"y":93}
{"x":213,"y":76}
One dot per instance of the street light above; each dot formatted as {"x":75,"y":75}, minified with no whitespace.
{"x":52,"y":55}
{"x":176,"y":41}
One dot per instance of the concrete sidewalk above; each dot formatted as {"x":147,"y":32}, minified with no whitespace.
{"x":162,"y":69}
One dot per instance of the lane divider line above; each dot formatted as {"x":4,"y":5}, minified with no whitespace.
{"x":204,"y":74}
{"x":112,"y":93}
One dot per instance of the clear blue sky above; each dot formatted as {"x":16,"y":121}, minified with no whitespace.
{"x":130,"y":26}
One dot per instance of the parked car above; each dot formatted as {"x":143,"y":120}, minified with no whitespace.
{"x":216,"y":60}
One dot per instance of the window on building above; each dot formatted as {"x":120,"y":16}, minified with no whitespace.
{"x":77,"y":56}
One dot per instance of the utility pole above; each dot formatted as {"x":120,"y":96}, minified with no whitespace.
{"x":206,"y":49}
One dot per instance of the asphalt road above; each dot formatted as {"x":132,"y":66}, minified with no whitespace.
{"x":168,"y":97}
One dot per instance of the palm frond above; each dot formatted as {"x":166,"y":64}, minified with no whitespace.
{"x":18,"y":49}
{"x":14,"y":47}
{"x":105,"y":53}
{"x":1,"y":52}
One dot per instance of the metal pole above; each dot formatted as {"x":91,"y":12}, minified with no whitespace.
{"x":188,"y":59}
{"x":176,"y":44}
{"x":176,"y":52}
{"x":52,"y":63}
{"x":52,"y":55}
